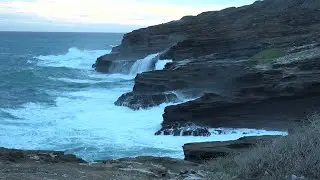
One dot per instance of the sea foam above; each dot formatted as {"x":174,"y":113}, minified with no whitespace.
{"x":74,"y":58}
{"x":87,"y":123}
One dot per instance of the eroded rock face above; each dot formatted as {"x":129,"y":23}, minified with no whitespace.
{"x":233,"y":32}
{"x":183,"y":129}
{"x":197,"y":152}
{"x":138,"y":101}
{"x":255,"y":66}
{"x":278,"y":96}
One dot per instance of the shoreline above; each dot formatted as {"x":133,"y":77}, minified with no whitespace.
{"x":40,"y":164}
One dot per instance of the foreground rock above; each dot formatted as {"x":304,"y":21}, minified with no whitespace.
{"x":13,"y":155}
{"x":39,"y":165}
{"x":199,"y":152}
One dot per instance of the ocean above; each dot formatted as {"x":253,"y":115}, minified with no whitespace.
{"x":52,"y":99}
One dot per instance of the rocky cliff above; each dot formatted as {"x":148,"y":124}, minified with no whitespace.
{"x":254,"y":66}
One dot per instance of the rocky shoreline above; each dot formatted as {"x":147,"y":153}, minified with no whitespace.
{"x":32,"y":165}
{"x":255,"y":66}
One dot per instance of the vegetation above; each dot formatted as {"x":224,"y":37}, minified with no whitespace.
{"x":297,"y":154}
{"x":268,"y":55}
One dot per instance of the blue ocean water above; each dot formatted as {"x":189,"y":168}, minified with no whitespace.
{"x":51,"y":99}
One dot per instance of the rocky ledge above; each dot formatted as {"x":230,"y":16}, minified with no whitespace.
{"x":200,"y":152}
{"x":31,"y":165}
{"x":255,"y":66}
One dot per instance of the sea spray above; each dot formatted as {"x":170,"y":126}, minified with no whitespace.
{"x":145,"y":64}
{"x":161,"y":64}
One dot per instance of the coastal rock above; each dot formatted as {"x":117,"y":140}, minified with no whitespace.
{"x":277,"y":96}
{"x":280,"y":113}
{"x":136,"y":45}
{"x":186,"y":129}
{"x":197,"y":152}
{"x":23,"y":164}
{"x":138,"y":101}
{"x":255,"y":66}
{"x":233,"y":32}
{"x":13,"y":155}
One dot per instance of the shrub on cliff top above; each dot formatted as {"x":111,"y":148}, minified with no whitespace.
{"x":296,"y":154}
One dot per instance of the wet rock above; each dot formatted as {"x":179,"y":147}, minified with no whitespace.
{"x":138,"y":101}
{"x":184,"y":129}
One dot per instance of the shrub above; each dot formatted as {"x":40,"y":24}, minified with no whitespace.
{"x":297,"y":154}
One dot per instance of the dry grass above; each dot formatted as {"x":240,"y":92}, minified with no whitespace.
{"x":297,"y":154}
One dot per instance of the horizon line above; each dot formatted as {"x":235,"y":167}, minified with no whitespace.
{"x":17,"y":31}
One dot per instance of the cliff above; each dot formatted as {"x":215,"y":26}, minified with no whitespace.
{"x":255,"y":66}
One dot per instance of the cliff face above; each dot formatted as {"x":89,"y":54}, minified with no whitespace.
{"x":254,"y":66}
{"x":261,"y":24}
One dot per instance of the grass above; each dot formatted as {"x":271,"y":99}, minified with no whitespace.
{"x":297,"y":154}
{"x":268,"y":55}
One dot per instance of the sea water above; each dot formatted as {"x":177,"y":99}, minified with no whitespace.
{"x":51,"y":99}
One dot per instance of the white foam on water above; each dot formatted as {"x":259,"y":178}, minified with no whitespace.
{"x":143,"y":65}
{"x":74,"y":58}
{"x":112,"y":77}
{"x":161,"y":64}
{"x":86,"y":122}
{"x":89,"y":119}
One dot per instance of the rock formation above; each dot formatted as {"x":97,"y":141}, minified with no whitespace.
{"x":199,"y":152}
{"x":255,"y":66}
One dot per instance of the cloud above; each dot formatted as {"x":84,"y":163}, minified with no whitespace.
{"x":102,"y":11}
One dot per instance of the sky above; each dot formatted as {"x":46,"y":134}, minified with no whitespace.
{"x":100,"y":15}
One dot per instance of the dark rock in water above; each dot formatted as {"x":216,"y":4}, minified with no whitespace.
{"x":184,"y":129}
{"x":138,"y":101}
{"x":197,"y":152}
{"x":108,"y":66}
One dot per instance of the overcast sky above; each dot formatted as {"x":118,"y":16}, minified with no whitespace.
{"x":100,"y":15}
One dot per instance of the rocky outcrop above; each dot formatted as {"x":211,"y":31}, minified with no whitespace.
{"x":184,"y":129}
{"x":276,"y":95}
{"x":199,"y":152}
{"x":233,"y":32}
{"x":255,"y":66}
{"x":30,"y":165}
{"x":14,"y":155}
{"x":138,"y":101}
{"x":136,"y":45}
